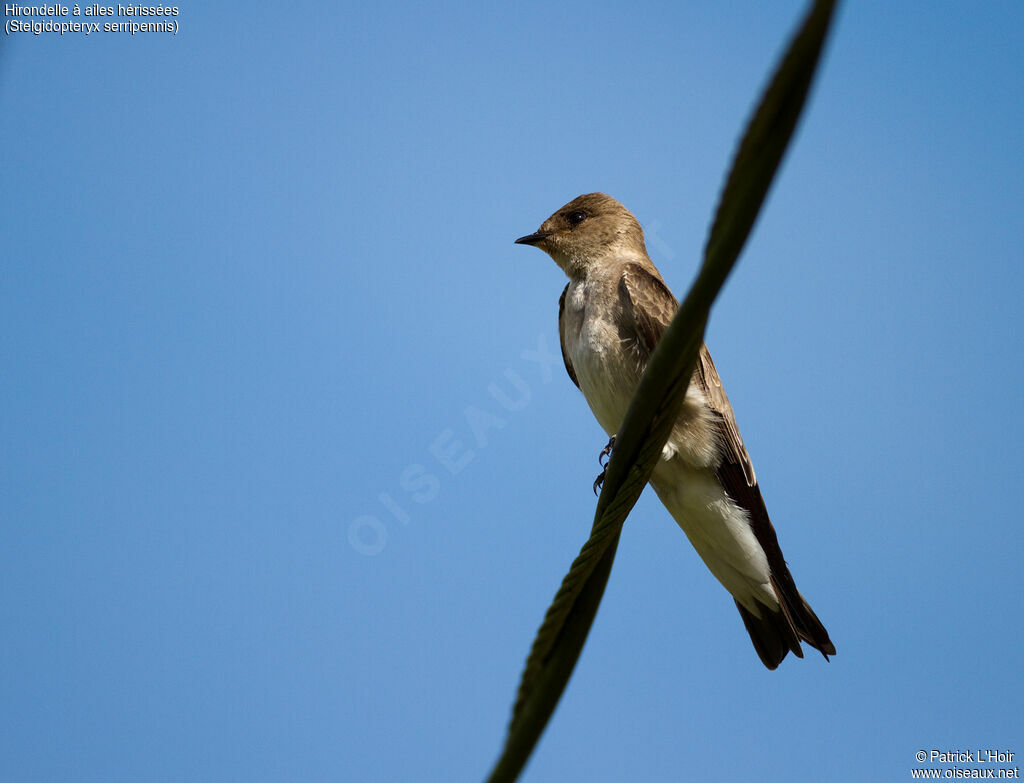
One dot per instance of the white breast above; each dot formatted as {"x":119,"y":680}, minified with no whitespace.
{"x":596,"y":352}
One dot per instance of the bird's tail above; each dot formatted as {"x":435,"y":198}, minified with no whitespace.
{"x":777,"y":633}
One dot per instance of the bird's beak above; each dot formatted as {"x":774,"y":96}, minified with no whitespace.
{"x":533,"y":239}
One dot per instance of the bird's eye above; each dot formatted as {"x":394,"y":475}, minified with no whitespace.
{"x":577,"y":217}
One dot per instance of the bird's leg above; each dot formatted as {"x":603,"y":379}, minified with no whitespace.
{"x":603,"y":459}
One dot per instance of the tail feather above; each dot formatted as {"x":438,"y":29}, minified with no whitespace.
{"x":766,"y":633}
{"x":775,"y":634}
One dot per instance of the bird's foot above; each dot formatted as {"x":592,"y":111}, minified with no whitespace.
{"x":603,"y":459}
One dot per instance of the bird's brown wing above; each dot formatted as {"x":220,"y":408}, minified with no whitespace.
{"x":777,"y":635}
{"x":734,"y":453}
{"x":648,"y":307}
{"x":561,"y":336}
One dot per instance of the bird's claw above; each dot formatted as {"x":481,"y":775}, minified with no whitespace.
{"x":603,"y":459}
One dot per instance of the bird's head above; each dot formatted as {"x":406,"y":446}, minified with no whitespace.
{"x":590,"y":230}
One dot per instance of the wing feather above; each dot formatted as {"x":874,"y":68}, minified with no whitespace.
{"x":561,"y":337}
{"x":736,"y":473}
{"x":648,"y":307}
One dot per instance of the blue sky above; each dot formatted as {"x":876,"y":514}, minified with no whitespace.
{"x":257,"y":275}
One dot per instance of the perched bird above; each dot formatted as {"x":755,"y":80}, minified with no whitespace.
{"x":611,"y":314}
